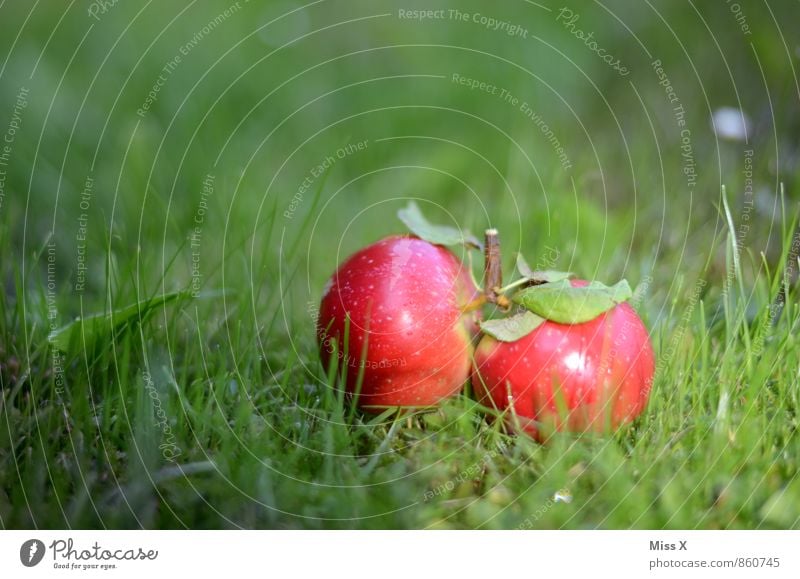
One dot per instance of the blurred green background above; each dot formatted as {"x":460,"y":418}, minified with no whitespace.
{"x":268,"y":92}
{"x":243,"y":149}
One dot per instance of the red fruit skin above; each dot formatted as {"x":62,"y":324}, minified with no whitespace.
{"x":604,"y":369}
{"x":404,"y":297}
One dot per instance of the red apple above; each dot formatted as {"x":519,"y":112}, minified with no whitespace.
{"x":405,"y":299}
{"x":593,"y":375}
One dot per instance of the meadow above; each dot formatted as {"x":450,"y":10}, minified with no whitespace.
{"x":182,"y":179}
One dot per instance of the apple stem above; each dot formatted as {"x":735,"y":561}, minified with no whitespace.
{"x":493,"y":271}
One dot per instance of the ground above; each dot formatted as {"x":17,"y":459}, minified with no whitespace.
{"x":192,"y":175}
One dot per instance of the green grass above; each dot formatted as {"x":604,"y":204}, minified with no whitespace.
{"x":262,"y":439}
{"x":214,"y":411}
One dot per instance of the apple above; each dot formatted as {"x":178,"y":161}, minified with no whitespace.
{"x":588,"y":376}
{"x":410,"y":325}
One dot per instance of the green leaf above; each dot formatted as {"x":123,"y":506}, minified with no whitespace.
{"x":542,"y":276}
{"x":90,"y":327}
{"x":436,"y":234}
{"x":512,"y":328}
{"x":523,"y":268}
{"x":562,"y":303}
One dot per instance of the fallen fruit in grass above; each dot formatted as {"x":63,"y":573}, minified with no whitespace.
{"x":395,"y":312}
{"x":577,"y":358}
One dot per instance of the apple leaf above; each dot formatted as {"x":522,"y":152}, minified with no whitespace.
{"x":436,"y":234}
{"x":523,"y":268}
{"x":512,"y":328}
{"x":90,"y":327}
{"x":560,"y":302}
{"x":542,"y":276}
